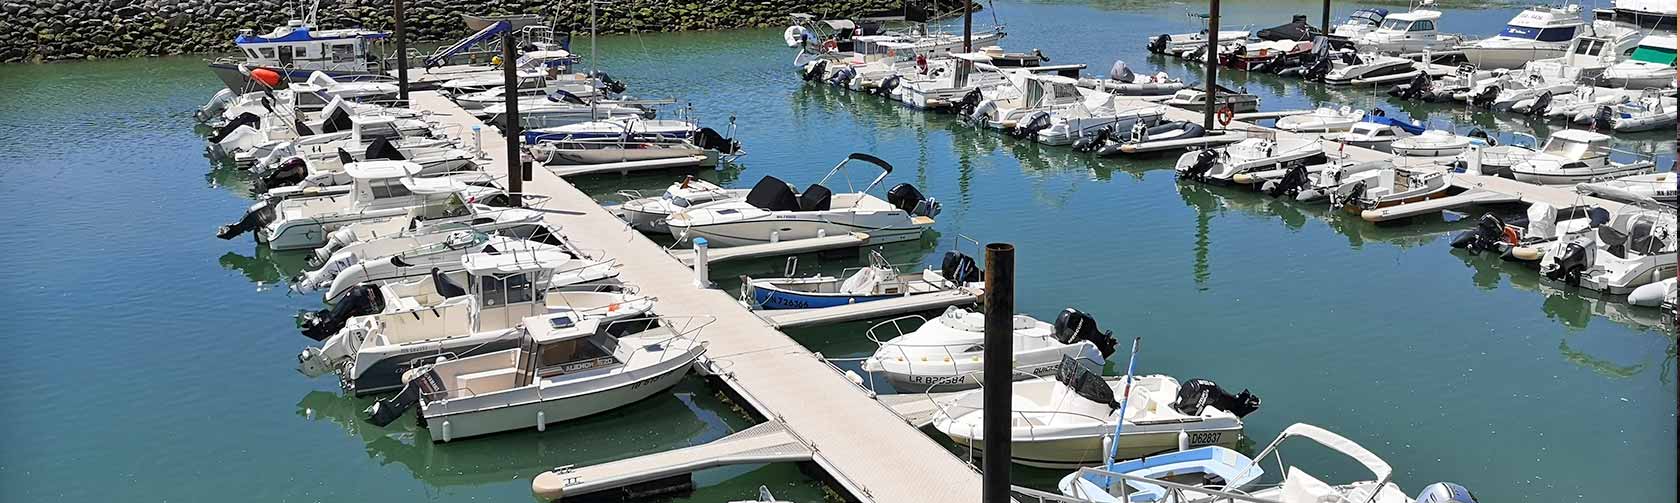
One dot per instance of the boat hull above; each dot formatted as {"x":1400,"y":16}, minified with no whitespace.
{"x":768,"y":297}
{"x":1552,"y":178}
{"x":1073,"y":452}
{"x":536,"y":413}
{"x":1495,"y":58}
{"x":383,"y":375}
{"x":229,"y":74}
{"x":758,"y":231}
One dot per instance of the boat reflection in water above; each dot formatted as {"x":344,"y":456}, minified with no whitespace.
{"x":266,"y":267}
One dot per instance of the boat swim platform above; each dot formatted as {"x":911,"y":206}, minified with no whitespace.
{"x":774,"y":376}
{"x":690,"y":161}
{"x":933,"y":301}
{"x":767,"y":442}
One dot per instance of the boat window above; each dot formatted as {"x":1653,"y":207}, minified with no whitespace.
{"x":1540,"y":34}
{"x":251,"y":52}
{"x":267,"y":52}
{"x":1395,"y":24}
{"x":570,"y":356}
{"x":343,"y":53}
{"x":1656,"y":55}
{"x":388,"y":188}
{"x":1574,"y":149}
{"x":514,"y":289}
{"x":378,"y":130}
{"x":1423,"y":25}
{"x":1385,"y":132}
{"x":301,"y":51}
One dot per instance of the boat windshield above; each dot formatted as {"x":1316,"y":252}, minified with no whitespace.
{"x":1656,"y":55}
{"x":1365,"y":17}
{"x":1540,"y":34}
{"x":1575,"y":150}
{"x":676,"y":200}
{"x":1396,"y":24}
{"x":1589,"y":46}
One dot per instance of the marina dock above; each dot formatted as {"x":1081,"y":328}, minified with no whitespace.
{"x":847,"y":431}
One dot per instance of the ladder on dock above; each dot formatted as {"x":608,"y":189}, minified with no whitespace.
{"x":769,"y":442}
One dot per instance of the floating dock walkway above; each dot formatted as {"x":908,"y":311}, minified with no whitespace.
{"x":768,"y":442}
{"x":867,"y":449}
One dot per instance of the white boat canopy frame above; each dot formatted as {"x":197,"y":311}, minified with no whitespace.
{"x":886,"y":169}
{"x":1337,"y":443}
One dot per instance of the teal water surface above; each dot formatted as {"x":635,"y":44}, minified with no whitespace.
{"x":152,"y":361}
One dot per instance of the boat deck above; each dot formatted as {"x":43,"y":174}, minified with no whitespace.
{"x":866,"y":448}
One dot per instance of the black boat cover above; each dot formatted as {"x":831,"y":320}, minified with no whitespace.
{"x":773,"y":194}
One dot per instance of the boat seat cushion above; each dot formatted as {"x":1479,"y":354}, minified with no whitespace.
{"x":815,"y":198}
{"x":1299,"y":487}
{"x":862,"y":283}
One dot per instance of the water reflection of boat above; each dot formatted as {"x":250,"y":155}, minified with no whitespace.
{"x":687,"y":415}
{"x":267,"y":267}
{"x":1573,"y":307}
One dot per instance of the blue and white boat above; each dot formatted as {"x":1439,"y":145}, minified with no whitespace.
{"x":878,"y":281}
{"x":1212,"y":466}
{"x":299,"y":48}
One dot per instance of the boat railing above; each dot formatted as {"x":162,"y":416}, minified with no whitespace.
{"x":684,"y":330}
{"x":1175,"y":491}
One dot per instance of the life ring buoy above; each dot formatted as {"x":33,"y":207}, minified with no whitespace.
{"x":830,"y":45}
{"x":1511,"y":236}
{"x":1225,"y":114}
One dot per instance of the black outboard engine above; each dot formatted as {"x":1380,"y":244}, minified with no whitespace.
{"x":843,"y":77}
{"x":905,"y":197}
{"x":1541,"y":103}
{"x":1197,"y":394}
{"x":1090,"y":143}
{"x":1204,"y":162}
{"x":887,"y":85}
{"x":1486,"y":236}
{"x":1485,"y":98}
{"x":1483,"y":135}
{"x":1604,"y":118}
{"x":1570,"y":265}
{"x":609,"y":84}
{"x":360,"y":300}
{"x":1320,"y":67}
{"x":384,"y":412}
{"x":257,"y":215}
{"x":709,"y":138}
{"x":1352,"y":196}
{"x":961,"y":268}
{"x":1291,"y":183}
{"x":1031,"y":125}
{"x":1159,"y":44}
{"x":966,"y":105}
{"x":815,"y":71}
{"x":1074,"y":325}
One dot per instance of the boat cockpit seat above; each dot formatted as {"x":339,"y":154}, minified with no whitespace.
{"x":444,"y":286}
{"x":1299,"y":487}
{"x":344,"y":156}
{"x":861,"y":283}
{"x":815,"y":198}
{"x":1614,"y":241}
{"x":1642,"y":241}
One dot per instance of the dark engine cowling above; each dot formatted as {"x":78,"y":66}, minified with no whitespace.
{"x":1570,"y":264}
{"x":815,"y":71}
{"x":244,"y":119}
{"x":905,"y":197}
{"x":291,"y":172}
{"x":1541,"y":103}
{"x":709,"y":138}
{"x":1159,"y":44}
{"x":361,"y":300}
{"x":1204,"y":162}
{"x":1197,"y":394}
{"x":1604,"y":119}
{"x":959,"y":267}
{"x":1291,"y":182}
{"x":887,"y":85}
{"x":1031,"y":125}
{"x":843,"y":77}
{"x":1094,"y":141}
{"x":1489,"y":232}
{"x":966,"y":105}
{"x":385,"y":411}
{"x":1485,"y":98}
{"x":1074,"y":325}
{"x":611,"y":85}
{"x":256,"y":216}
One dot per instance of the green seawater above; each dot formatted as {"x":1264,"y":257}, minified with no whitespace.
{"x":150,"y":361}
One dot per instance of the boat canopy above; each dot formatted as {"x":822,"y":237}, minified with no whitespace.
{"x":1336,"y":443}
{"x":540,"y":258}
{"x":1374,"y":16}
{"x":1393,"y":122}
{"x":1562,"y":34}
{"x":382,"y":170}
{"x":1655,"y":49}
{"x":305,"y":33}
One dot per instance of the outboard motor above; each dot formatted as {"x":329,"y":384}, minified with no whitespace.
{"x":1159,"y":44}
{"x":1341,"y":198}
{"x":887,"y":85}
{"x":968,"y":103}
{"x":709,"y":138}
{"x":1483,"y":135}
{"x":961,"y":268}
{"x":1486,"y":236}
{"x":1320,"y":67}
{"x":1292,"y":181}
{"x":1074,"y":325}
{"x":609,"y":84}
{"x":1204,"y":162}
{"x":1031,"y":124}
{"x":1445,"y":492}
{"x":814,"y":70}
{"x":843,"y":76}
{"x":1090,"y":143}
{"x":290,"y":173}
{"x":1197,"y":394}
{"x":1605,"y":118}
{"x":361,"y":300}
{"x":905,"y":197}
{"x":1569,"y":266}
{"x":1485,"y":98}
{"x":384,"y":412}
{"x":1121,"y":73}
{"x":1541,"y":103}
{"x":258,"y":215}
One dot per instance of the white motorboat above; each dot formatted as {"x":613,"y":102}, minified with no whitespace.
{"x":592,"y":151}
{"x":1182,"y":43}
{"x":1573,"y":156}
{"x":1068,"y":125}
{"x":845,"y":39}
{"x":1123,"y":81}
{"x":1407,"y":32}
{"x":1497,"y":160}
{"x":472,"y":216}
{"x":1062,"y":422}
{"x":1265,"y":55}
{"x":945,"y":353}
{"x":1581,"y":105}
{"x":647,"y":214}
{"x":1657,"y":186}
{"x":772,"y":212}
{"x":428,"y":254}
{"x":1652,"y":110}
{"x":1252,"y":154}
{"x":1650,"y":65}
{"x":1194,"y":98}
{"x":1431,"y":143}
{"x":1616,"y":254}
{"x":1370,"y":69}
{"x":382,"y":190}
{"x":416,"y":322}
{"x":553,"y":111}
{"x":1539,"y":32}
{"x":1113,"y":141}
{"x":1359,"y":23}
{"x":1308,"y":186}
{"x":1009,"y":104}
{"x":1149,"y":484}
{"x":357,"y":134}
{"x":317,"y":166}
{"x":947,"y":80}
{"x":1322,"y":120}
{"x":565,"y":369}
{"x":1375,"y":132}
{"x":634,"y":128}
{"x":880,"y":280}
{"x":574,"y":84}
{"x":1390,"y":186}
{"x":1538,"y":81}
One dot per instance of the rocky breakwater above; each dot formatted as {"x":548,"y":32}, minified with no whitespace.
{"x":48,"y":30}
